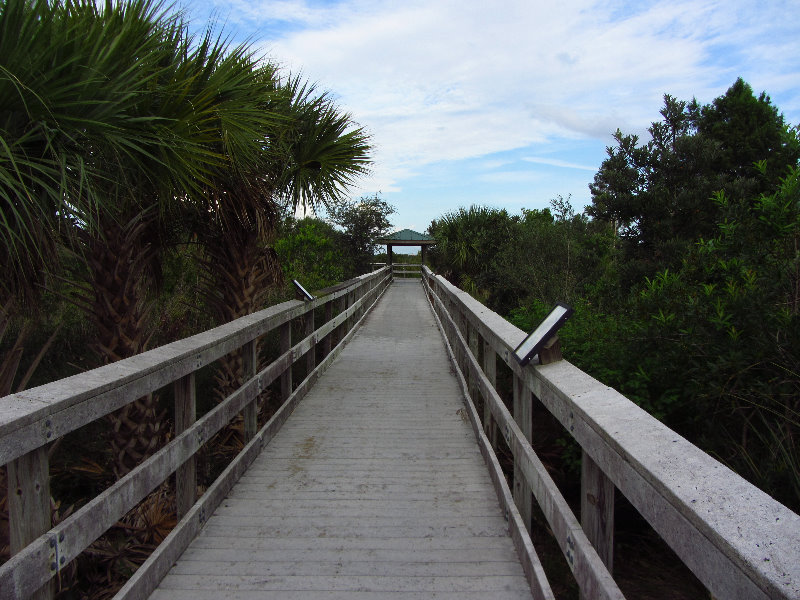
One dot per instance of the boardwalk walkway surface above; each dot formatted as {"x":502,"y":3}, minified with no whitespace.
{"x":374,"y":488}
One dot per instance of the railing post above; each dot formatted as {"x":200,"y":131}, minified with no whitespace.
{"x":490,"y":370}
{"x":29,"y":506}
{"x":311,"y":355}
{"x":328,"y":343}
{"x":523,"y":417}
{"x":185,"y":416}
{"x":250,"y":412}
{"x":351,"y":299}
{"x":597,"y":509}
{"x":474,"y":392}
{"x":341,"y":331}
{"x":286,"y":345}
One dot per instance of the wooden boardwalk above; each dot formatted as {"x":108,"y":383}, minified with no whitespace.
{"x":374,"y":488}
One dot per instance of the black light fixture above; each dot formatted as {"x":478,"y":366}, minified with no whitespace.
{"x":539,"y":337}
{"x":302,"y":292}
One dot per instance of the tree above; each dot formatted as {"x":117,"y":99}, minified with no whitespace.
{"x":468,"y":244}
{"x":363,"y":221}
{"x":309,"y":155}
{"x":659,"y":195}
{"x":717,"y":339}
{"x":311,"y":251}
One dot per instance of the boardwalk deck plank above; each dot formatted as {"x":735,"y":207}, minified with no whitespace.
{"x":375,"y":487}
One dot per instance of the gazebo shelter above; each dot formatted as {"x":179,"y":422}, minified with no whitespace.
{"x":406,"y":237}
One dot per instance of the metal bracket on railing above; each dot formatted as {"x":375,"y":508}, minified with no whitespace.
{"x":57,"y":556}
{"x":570,"y":550}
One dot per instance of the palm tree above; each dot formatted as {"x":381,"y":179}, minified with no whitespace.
{"x":110,"y":116}
{"x":197,"y":91}
{"x":312,"y":153}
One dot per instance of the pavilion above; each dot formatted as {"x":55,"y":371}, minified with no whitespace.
{"x":406,"y":237}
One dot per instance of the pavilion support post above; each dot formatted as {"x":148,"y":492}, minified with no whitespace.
{"x":389,"y":254}
{"x":422,"y":251}
{"x":522,"y":415}
{"x":185,"y":416}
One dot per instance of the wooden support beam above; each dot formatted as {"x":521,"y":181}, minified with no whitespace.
{"x":551,"y":352}
{"x":597,"y":509}
{"x":522,"y":416}
{"x":328,"y":343}
{"x":286,"y":345}
{"x":29,"y":508}
{"x":249,"y":369}
{"x":311,"y":355}
{"x":490,"y":370}
{"x":185,"y":416}
{"x":473,"y":348}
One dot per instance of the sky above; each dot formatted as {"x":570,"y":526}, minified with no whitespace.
{"x":511,"y":104}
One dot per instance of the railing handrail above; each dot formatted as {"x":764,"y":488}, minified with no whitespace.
{"x":37,"y":416}
{"x":739,"y":541}
{"x":32,"y":419}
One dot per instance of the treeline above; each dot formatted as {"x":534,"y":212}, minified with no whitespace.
{"x":685,"y":273}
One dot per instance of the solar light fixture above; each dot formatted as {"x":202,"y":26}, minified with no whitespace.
{"x":539,"y":337}
{"x":301,"y":291}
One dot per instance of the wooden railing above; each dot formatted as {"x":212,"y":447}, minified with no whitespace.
{"x":407,"y":270}
{"x":31,"y":420}
{"x":737,"y":540}
{"x":402,"y":270}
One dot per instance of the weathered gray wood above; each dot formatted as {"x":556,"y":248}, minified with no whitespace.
{"x":597,"y":509}
{"x":328,"y":343}
{"x":592,"y":577}
{"x":473,"y":348}
{"x":286,"y":345}
{"x":39,"y":415}
{"x":372,"y":405}
{"x":249,"y":367}
{"x":329,"y":595}
{"x":24,"y":573}
{"x":147,"y":577}
{"x":490,"y":370}
{"x":534,"y":572}
{"x":738,"y":541}
{"x":551,"y":352}
{"x":29,"y":507}
{"x":522,"y":415}
{"x":311,"y":355}
{"x":185,"y":416}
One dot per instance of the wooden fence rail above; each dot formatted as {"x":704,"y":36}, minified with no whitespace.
{"x":738,"y":541}
{"x":31,"y":420}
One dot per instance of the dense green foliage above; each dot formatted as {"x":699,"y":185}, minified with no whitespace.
{"x":685,"y":276}
{"x":310,"y":250}
{"x":362,"y":222}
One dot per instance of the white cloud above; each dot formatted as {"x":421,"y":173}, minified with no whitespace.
{"x":553,"y":162}
{"x":447,"y":80}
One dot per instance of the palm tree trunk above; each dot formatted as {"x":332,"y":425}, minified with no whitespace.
{"x":239,"y":274}
{"x":118,"y":264}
